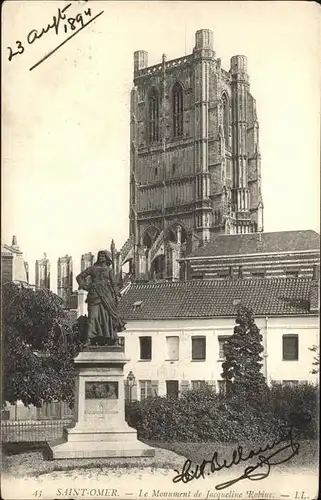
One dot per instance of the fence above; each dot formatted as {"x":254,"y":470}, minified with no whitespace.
{"x":53,"y":410}
{"x":34,"y":431}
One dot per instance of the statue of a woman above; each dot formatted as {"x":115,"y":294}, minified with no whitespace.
{"x":104,"y":321}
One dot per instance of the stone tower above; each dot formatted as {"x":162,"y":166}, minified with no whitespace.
{"x":65,"y":277}
{"x":42,"y":272}
{"x":194,"y":157}
{"x":87,"y":260}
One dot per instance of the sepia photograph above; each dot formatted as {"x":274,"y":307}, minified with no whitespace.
{"x":160,"y":250}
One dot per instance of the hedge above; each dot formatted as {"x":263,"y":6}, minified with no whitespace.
{"x":203,"y":415}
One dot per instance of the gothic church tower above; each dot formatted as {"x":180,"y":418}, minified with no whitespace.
{"x":194,"y":157}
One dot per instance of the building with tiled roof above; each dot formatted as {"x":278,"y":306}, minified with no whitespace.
{"x":13,"y":267}
{"x":256,"y":255}
{"x":175,"y":330}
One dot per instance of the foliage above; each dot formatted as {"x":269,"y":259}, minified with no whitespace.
{"x":203,"y":415}
{"x":316,"y":359}
{"x":303,"y":398}
{"x":38,"y":346}
{"x":243,"y":360}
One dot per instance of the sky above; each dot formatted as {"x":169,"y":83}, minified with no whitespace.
{"x":65,"y":124}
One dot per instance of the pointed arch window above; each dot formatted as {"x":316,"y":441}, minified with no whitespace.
{"x":153,"y":118}
{"x":226,"y":118}
{"x":177,"y":110}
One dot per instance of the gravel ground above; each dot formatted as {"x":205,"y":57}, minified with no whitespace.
{"x":33,"y":464}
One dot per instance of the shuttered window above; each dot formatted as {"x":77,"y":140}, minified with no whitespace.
{"x":148,"y":388}
{"x":198,"y":384}
{"x":221,"y":386}
{"x":172,"y":388}
{"x":172,"y":348}
{"x":145,"y":388}
{"x":291,"y":383}
{"x":221,"y":341}
{"x":290,"y":347}
{"x":145,"y":348}
{"x":198,"y":348}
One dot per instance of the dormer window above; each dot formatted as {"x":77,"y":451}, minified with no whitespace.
{"x":137,"y":305}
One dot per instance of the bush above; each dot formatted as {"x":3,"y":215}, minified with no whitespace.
{"x":286,"y":400}
{"x":203,"y":415}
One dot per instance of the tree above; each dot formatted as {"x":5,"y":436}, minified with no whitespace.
{"x":39,"y":345}
{"x":316,"y":359}
{"x":243,"y":360}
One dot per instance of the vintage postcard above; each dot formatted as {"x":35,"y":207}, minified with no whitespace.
{"x":160,"y":250}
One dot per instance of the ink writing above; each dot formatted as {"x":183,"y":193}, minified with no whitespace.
{"x":253,"y":473}
{"x":60,"y":22}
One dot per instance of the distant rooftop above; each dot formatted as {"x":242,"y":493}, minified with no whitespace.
{"x":251,"y":243}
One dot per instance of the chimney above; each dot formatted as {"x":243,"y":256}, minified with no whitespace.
{"x":14,"y":241}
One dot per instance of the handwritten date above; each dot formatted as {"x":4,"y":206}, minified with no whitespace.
{"x":59,"y":20}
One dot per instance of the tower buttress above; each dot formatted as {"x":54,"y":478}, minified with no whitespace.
{"x":240,"y":88}
{"x":203,"y":56}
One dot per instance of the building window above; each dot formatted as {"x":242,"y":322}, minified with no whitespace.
{"x":145,"y":348}
{"x":153,"y":116}
{"x":198,"y":384}
{"x":221,"y":386}
{"x":172,"y":348}
{"x":177,"y":110}
{"x":221,"y":342}
{"x":198,"y":348}
{"x":258,"y":274}
{"x":290,"y":347}
{"x":226,"y":112}
{"x":145,"y":387}
{"x":172,"y":388}
{"x":198,"y":277}
{"x":291,"y":383}
{"x":291,"y":274}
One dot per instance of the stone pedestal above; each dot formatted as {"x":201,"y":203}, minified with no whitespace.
{"x":100,"y":429}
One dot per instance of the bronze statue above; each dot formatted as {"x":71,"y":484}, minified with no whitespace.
{"x":104,"y":321}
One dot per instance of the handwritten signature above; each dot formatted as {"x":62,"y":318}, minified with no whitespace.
{"x":277,"y":457}
{"x":74,"y":24}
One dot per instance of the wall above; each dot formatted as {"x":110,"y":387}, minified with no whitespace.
{"x":274,"y":264}
{"x":307,"y":328}
{"x":6,"y":267}
{"x":209,"y":370}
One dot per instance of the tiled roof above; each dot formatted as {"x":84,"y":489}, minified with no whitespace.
{"x":236,"y":244}
{"x":212,"y":298}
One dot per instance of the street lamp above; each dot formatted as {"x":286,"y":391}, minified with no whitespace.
{"x":131,"y":382}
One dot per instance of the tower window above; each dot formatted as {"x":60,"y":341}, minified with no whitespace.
{"x":177,"y":110}
{"x":226,"y":120}
{"x":153,"y":116}
{"x":155,"y":170}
